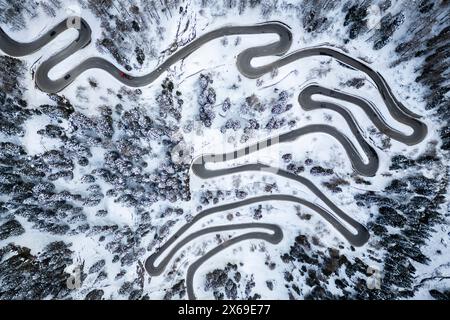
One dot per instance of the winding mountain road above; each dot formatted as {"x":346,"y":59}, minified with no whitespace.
{"x":337,"y":218}
{"x":278,"y":48}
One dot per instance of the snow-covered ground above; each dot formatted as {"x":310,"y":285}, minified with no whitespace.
{"x":129,"y":232}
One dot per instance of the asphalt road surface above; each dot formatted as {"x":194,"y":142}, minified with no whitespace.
{"x":177,"y":242}
{"x":278,"y":48}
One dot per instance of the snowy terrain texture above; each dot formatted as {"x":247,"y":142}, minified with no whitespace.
{"x":89,"y":187}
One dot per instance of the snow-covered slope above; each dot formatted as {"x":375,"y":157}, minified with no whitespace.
{"x":90,"y":185}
